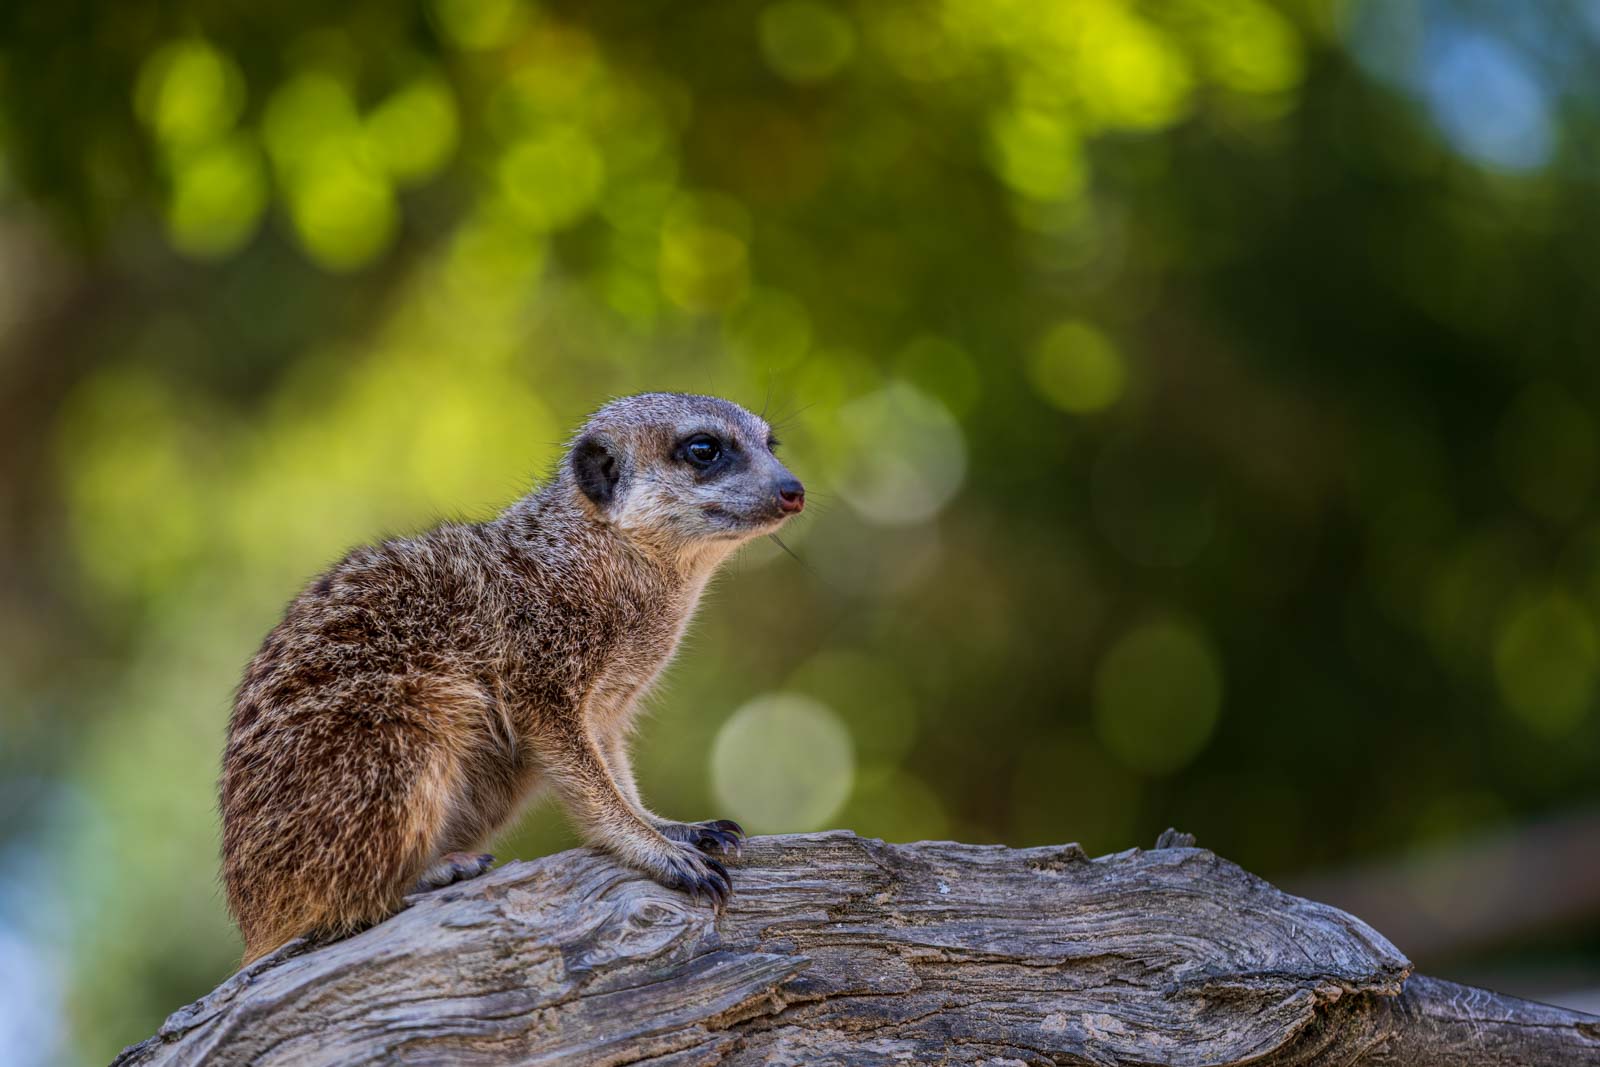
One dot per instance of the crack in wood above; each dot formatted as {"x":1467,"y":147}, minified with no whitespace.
{"x":840,"y":950}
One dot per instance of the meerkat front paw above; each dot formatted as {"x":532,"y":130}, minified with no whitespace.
{"x":453,"y":867}
{"x":702,"y":877}
{"x":714,"y":837}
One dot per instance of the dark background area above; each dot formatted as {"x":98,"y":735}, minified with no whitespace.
{"x":1198,"y":401}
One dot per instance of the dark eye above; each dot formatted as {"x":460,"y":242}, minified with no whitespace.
{"x":702,"y":450}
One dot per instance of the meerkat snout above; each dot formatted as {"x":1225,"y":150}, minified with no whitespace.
{"x":791,"y":496}
{"x":415,"y":697}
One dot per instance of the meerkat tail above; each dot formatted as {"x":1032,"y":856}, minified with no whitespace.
{"x":348,"y":858}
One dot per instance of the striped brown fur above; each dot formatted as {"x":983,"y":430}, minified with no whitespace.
{"x":418,"y":694}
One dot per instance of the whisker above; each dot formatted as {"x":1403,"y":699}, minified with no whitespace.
{"x":791,"y":554}
{"x":784,"y":420}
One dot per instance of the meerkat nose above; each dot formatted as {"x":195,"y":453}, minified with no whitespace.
{"x":791,"y":496}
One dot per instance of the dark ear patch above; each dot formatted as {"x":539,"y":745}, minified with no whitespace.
{"x":596,"y":468}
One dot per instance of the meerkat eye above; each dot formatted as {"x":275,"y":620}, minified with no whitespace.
{"x":772,"y":443}
{"x":702,"y":450}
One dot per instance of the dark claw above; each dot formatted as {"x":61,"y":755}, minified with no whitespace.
{"x":700,"y":876}
{"x":717,"y":842}
{"x":716,"y":837}
{"x":720,"y":884}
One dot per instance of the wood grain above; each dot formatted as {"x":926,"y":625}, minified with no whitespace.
{"x":843,"y":950}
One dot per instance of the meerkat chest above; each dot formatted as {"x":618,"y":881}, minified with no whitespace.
{"x":599,"y":648}
{"x":646,"y":641}
{"x":618,"y":686}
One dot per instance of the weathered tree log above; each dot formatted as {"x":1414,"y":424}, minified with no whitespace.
{"x":841,"y":950}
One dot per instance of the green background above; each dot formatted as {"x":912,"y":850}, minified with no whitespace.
{"x":1198,"y":402}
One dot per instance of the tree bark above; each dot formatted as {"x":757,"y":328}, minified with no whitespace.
{"x":841,"y":950}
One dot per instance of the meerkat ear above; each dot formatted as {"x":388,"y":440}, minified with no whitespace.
{"x":597,"y":468}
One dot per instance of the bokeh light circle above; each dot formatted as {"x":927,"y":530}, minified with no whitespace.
{"x":903,"y":455}
{"x":805,"y":42}
{"x":1156,"y":696}
{"x":1078,"y":369}
{"x":1547,"y":662}
{"x":783,"y":763}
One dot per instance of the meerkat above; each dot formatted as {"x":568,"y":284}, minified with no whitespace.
{"x":420,"y":693}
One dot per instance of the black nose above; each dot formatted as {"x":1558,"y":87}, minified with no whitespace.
{"x":791,"y":496}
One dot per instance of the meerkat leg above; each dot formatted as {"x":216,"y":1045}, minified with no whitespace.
{"x":597,"y":805}
{"x":620,"y":763}
{"x":489,"y":802}
{"x":722,"y":838}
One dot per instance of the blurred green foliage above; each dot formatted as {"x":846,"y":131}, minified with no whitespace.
{"x":1199,"y":400}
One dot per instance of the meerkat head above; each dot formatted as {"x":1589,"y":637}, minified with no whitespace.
{"x":693,"y":474}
